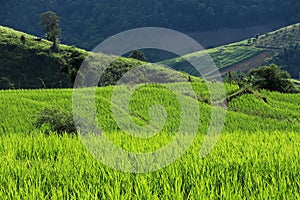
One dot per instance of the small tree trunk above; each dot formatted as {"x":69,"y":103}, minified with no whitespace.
{"x":55,"y":45}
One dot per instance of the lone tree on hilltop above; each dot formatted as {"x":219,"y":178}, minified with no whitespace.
{"x":50,"y":22}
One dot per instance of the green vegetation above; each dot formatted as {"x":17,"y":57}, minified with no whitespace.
{"x":41,"y":152}
{"x":283,"y":38}
{"x":50,"y":22}
{"x":56,"y":121}
{"x":255,"y":158}
{"x":236,"y":77}
{"x":275,"y":108}
{"x":252,"y":166}
{"x":86,"y":23}
{"x":30,"y":62}
{"x":289,"y":60}
{"x":25,"y":60}
{"x":280,"y":47}
{"x":272,"y":78}
{"x":138,"y":55}
{"x":224,"y":57}
{"x":296,"y":82}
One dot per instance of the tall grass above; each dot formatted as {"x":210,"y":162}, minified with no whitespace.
{"x":241,"y":166}
{"x":256,"y":157}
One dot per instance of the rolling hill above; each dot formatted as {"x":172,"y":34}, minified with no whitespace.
{"x":246,"y":54}
{"x":27,"y":61}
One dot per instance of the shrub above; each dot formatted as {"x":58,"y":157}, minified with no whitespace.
{"x":56,"y":120}
{"x":272,"y":78}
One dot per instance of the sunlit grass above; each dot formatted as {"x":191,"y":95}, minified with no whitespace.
{"x":256,"y":157}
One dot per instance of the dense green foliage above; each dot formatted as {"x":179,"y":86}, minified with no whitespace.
{"x":235,"y":77}
{"x":285,"y":43}
{"x":272,"y":78}
{"x":86,"y":23}
{"x":56,"y":121}
{"x":255,"y":158}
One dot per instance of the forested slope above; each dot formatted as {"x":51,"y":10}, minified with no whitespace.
{"x":86,"y":23}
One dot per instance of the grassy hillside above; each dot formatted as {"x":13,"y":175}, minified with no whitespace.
{"x":256,"y":156}
{"x":28,"y":63}
{"x":245,"y":54}
{"x":224,"y":57}
{"x":281,"y":39}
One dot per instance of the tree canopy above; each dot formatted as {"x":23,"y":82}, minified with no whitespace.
{"x":50,"y":22}
{"x":86,"y":23}
{"x":272,"y":78}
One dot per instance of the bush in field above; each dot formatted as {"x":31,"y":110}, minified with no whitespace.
{"x":272,"y":78}
{"x":56,"y":120}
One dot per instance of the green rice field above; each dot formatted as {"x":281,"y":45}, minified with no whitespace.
{"x":256,"y":157}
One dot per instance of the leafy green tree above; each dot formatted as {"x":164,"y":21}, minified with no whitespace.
{"x":138,"y":55}
{"x":50,"y":22}
{"x":272,"y":78}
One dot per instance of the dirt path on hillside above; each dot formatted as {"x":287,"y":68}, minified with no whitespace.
{"x":248,"y":64}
